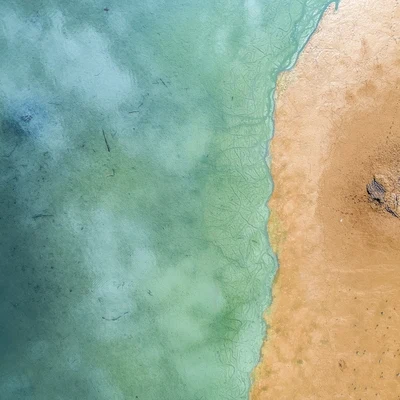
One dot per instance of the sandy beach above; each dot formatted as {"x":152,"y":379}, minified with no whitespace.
{"x":334,"y":325}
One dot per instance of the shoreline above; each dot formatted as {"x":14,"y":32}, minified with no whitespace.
{"x":329,"y":304}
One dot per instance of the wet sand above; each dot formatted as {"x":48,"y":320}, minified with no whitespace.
{"x":334,"y":325}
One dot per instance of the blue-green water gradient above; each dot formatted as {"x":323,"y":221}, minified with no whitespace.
{"x":134,"y":260}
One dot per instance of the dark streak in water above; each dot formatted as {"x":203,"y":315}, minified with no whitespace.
{"x":116,"y":318}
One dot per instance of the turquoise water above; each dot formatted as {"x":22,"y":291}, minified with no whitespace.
{"x":134,"y":260}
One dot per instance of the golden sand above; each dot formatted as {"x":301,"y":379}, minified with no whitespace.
{"x":334,"y":325}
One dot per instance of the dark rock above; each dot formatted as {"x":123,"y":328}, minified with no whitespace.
{"x":376,"y":191}
{"x":384,"y":193}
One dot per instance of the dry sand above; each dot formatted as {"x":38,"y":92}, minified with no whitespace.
{"x":334,"y":325}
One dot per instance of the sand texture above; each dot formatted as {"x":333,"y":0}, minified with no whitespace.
{"x":334,"y":326}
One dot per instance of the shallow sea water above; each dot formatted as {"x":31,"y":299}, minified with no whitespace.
{"x":134,"y":260}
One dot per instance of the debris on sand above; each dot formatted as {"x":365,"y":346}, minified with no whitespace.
{"x":384,"y":194}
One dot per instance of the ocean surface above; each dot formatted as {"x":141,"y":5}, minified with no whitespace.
{"x":134,"y":259}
